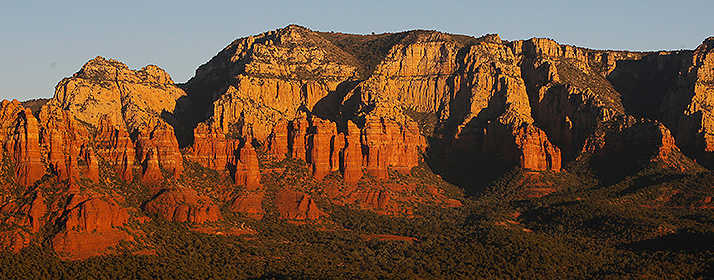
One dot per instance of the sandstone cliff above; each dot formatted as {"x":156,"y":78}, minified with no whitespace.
{"x":355,"y":114}
{"x":264,"y":78}
{"x":108,"y":87}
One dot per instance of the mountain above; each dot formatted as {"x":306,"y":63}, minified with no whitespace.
{"x":326,"y":134}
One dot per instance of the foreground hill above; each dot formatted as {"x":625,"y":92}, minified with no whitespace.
{"x":428,"y":153}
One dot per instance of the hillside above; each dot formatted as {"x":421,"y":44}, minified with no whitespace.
{"x":420,"y":154}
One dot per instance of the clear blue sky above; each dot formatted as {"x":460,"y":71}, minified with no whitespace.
{"x":44,"y":41}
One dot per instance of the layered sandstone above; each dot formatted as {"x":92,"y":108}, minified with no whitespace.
{"x":278,"y":140}
{"x":534,"y":104}
{"x":90,"y":158}
{"x":298,"y":138}
{"x":250,"y":204}
{"x":24,"y":218}
{"x":536,"y":152}
{"x":63,"y":139}
{"x":352,"y":155}
{"x":688,"y":106}
{"x":298,"y":206}
{"x":629,"y":144}
{"x":376,"y":153}
{"x":264,"y":78}
{"x":183,"y":205}
{"x":151,"y":174}
{"x":23,"y":145}
{"x":478,"y":91}
{"x":211,"y":149}
{"x":115,"y":146}
{"x":336,"y":154}
{"x":247,"y":170}
{"x":160,"y":136}
{"x":127,"y":97}
{"x":90,"y":227}
{"x":14,"y":240}
{"x":568,"y":90}
{"x":321,"y":147}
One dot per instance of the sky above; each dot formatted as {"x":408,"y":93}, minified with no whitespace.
{"x":42,"y":42}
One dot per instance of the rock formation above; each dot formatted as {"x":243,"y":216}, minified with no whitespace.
{"x":471,"y":94}
{"x":128,"y":98}
{"x":247,"y":169}
{"x":161,"y":137}
{"x":352,"y":155}
{"x":569,"y":96}
{"x":688,"y":106}
{"x":629,"y":144}
{"x":151,"y":174}
{"x":92,"y":165}
{"x":338,"y":145}
{"x":183,"y":205}
{"x":320,"y":147}
{"x":24,"y":146}
{"x":536,"y":152}
{"x":250,"y":204}
{"x":376,"y":154}
{"x":279,"y":140}
{"x":90,"y":227}
{"x":14,"y":240}
{"x":23,"y":218}
{"x":114,"y":145}
{"x":293,"y":205}
{"x":341,"y":103}
{"x":298,"y":135}
{"x":261,"y":79}
{"x":211,"y":149}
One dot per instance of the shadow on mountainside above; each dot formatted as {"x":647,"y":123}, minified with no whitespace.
{"x":330,"y":107}
{"x":644,"y":83}
{"x":183,"y":120}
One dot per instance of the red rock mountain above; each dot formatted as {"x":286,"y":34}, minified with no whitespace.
{"x":116,"y":146}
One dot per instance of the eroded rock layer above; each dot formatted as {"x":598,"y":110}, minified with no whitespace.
{"x":338,"y":107}
{"x":90,"y":227}
{"x":183,"y":205}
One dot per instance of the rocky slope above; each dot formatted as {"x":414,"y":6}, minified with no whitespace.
{"x":292,"y":122}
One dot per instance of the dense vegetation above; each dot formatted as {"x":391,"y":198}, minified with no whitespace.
{"x":585,"y":230}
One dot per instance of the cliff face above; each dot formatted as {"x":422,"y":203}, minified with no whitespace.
{"x":261,"y":79}
{"x":474,"y":88}
{"x":468,"y":83}
{"x":358,"y":112}
{"x":568,"y":90}
{"x":531,"y":103}
{"x":694,"y":93}
{"x":674,"y":88}
{"x":108,"y":87}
